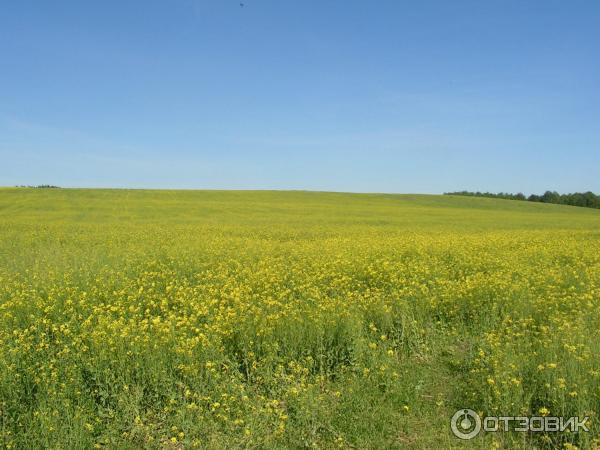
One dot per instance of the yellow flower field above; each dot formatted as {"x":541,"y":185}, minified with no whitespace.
{"x":191,"y":319}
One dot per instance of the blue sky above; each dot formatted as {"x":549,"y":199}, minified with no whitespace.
{"x":386,"y":96}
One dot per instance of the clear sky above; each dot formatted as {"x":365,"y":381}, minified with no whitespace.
{"x":373,"y":96}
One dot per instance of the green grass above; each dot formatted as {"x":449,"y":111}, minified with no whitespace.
{"x":268,"y":319}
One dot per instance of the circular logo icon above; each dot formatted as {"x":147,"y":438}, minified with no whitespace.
{"x":465,"y":424}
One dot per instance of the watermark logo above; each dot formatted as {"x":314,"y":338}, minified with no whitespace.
{"x":466,"y":424}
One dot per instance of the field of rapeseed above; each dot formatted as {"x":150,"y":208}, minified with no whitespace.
{"x":190,"y":319}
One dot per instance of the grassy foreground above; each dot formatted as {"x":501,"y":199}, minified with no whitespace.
{"x":205,"y":319}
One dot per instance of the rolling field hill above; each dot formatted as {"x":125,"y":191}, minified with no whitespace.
{"x":270,"y":319}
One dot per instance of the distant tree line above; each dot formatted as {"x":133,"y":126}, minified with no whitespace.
{"x":39,"y":186}
{"x":584,"y":199}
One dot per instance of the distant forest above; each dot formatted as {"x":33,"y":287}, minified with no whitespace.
{"x":584,"y":199}
{"x":39,"y":186}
